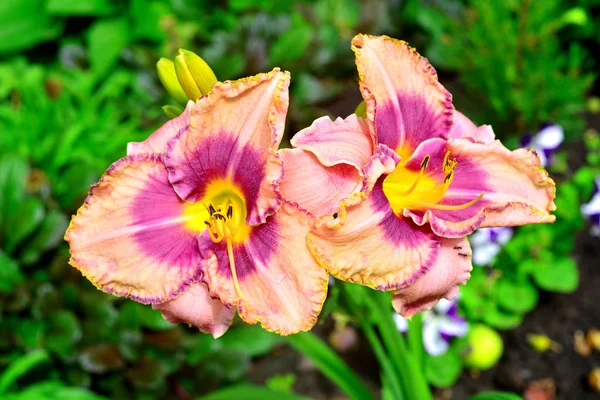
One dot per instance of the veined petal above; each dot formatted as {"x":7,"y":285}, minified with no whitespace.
{"x":517,"y":189}
{"x":196,"y":307}
{"x":157,"y":142}
{"x":234,"y":133}
{"x":465,"y":128}
{"x":404,"y":99}
{"x":281,"y":285}
{"x":134,"y":236}
{"x":317,"y":188}
{"x":451,"y":268}
{"x":343,"y":141}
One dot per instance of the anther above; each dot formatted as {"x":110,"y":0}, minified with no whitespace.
{"x":230,"y":212}
{"x":425,"y":162}
{"x":211,"y":209}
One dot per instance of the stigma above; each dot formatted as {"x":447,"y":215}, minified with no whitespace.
{"x":408,"y":189}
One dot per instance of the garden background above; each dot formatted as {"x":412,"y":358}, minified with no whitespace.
{"x":78,"y":81}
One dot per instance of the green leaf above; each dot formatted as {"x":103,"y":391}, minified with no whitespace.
{"x":10,"y":274}
{"x":106,"y":40}
{"x":94,"y":8}
{"x":146,"y":16}
{"x":27,"y":217}
{"x":250,"y":392}
{"x":250,"y":339}
{"x":63,"y":332}
{"x":25,"y":23}
{"x":292,"y":44}
{"x":502,"y":320}
{"x":330,"y":364}
{"x":496,"y":396}
{"x":560,"y":275}
{"x":53,"y":390}
{"x":20,"y":367}
{"x":48,"y":235}
{"x":281,"y":383}
{"x":443,"y":371}
{"x":13,"y":180}
{"x":516,"y":297}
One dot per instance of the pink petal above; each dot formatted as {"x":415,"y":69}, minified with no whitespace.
{"x":196,"y":307}
{"x":464,"y":128}
{"x":404,"y":99}
{"x":451,"y":268}
{"x":157,"y":142}
{"x":132,"y":236}
{"x":233,"y":135}
{"x":314,"y":187}
{"x":282,"y":286}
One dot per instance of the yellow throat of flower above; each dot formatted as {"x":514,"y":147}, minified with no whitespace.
{"x":405,"y":188}
{"x":223,"y":213}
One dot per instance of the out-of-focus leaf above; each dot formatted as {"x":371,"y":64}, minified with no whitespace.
{"x":250,"y":392}
{"x":135,"y":315}
{"x":47,"y":236}
{"x":13,"y":180}
{"x":26,"y":218}
{"x":24,"y":23}
{"x":443,"y":371}
{"x":10,"y":274}
{"x":495,"y":396}
{"x":20,"y":367}
{"x":63,"y":332}
{"x":516,"y":297}
{"x":228,"y":364}
{"x":502,"y":320}
{"x":53,"y":390}
{"x":251,"y":339}
{"x":96,"y":8}
{"x":146,"y":16}
{"x":281,"y":383}
{"x":292,"y":44}
{"x":30,"y":333}
{"x":106,"y":39}
{"x":561,"y":275}
{"x":100,"y":358}
{"x":146,"y":374}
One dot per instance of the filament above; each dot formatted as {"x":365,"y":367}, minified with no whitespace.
{"x":450,"y":207}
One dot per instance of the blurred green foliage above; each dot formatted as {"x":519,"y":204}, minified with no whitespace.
{"x":77,"y":82}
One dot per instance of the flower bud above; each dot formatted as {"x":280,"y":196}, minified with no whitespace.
{"x":168,"y":78}
{"x":194,"y":74}
{"x":172,"y":111}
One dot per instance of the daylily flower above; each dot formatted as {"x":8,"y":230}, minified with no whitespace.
{"x":192,"y":222}
{"x":440,"y":325}
{"x":592,"y":209}
{"x":406,"y":185}
{"x":487,"y":243}
{"x":545,"y":142}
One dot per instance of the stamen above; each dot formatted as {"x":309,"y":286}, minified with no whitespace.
{"x":211,"y":209}
{"x":230,"y":212}
{"x":236,"y":284}
{"x":411,"y":189}
{"x":449,"y":207}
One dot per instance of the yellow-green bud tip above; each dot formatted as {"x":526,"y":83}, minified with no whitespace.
{"x":194,"y":74}
{"x":166,"y":73}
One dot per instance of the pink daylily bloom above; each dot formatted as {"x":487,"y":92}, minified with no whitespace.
{"x":413,"y":180}
{"x":192,"y":221}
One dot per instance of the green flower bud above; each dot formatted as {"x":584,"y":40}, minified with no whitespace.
{"x":361,"y":110}
{"x":172,"y":111}
{"x":194,"y":74}
{"x":168,"y":78}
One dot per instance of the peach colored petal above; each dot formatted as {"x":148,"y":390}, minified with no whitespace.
{"x":464,"y":128}
{"x":282,"y":286}
{"x":451,"y":268}
{"x":130,"y":237}
{"x":405,"y":102}
{"x":234,"y":133}
{"x":343,"y":141}
{"x":517,"y":189}
{"x":196,"y":307}
{"x":314,"y":187}
{"x":157,"y":142}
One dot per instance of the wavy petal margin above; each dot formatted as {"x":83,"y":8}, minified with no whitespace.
{"x":196,"y":307}
{"x":465,"y":128}
{"x":314,"y":187}
{"x":282,"y":286}
{"x":234,"y":133}
{"x":404,"y":99}
{"x":130,"y":237}
{"x":518,"y":190}
{"x":157,"y":142}
{"x":451,"y":269}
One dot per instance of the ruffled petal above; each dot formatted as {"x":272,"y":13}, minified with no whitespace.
{"x":281,"y":285}
{"x":133,"y":236}
{"x":404,"y":98}
{"x":196,"y":307}
{"x":517,"y":189}
{"x":451,"y":268}
{"x":314,"y":187}
{"x":343,"y":141}
{"x":367,"y":243}
{"x":464,"y":128}
{"x":234,"y":133}
{"x":157,"y":142}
